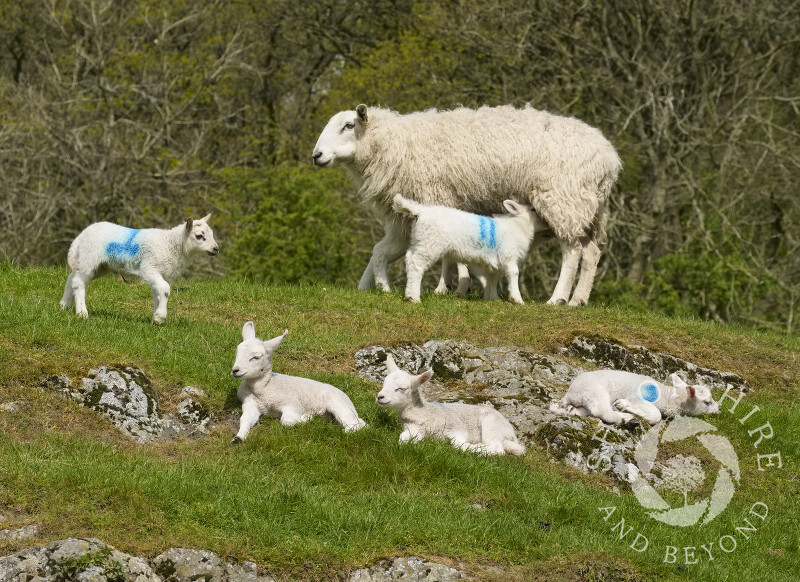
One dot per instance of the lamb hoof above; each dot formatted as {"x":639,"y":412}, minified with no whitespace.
{"x":578,"y":303}
{"x":557,"y":302}
{"x":236,"y":440}
{"x":621,"y":404}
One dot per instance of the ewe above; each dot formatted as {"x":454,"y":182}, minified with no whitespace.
{"x":469,"y":427}
{"x":155,"y":255}
{"x":473,"y":160}
{"x":291,"y":399}
{"x":616,"y":397}
{"x":497,"y":244}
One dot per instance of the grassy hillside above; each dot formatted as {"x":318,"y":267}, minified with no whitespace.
{"x":310,"y":502}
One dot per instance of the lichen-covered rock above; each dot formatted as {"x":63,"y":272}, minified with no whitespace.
{"x":659,"y":365}
{"x":186,"y":565}
{"x":20,"y":533}
{"x":407,"y":569}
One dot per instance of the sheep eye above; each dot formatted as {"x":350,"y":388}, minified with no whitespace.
{"x":348,"y":125}
{"x":255,"y":358}
{"x":199,"y":237}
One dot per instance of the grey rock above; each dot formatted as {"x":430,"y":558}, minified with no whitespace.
{"x":407,"y":569}
{"x":24,"y":532}
{"x":186,"y":565}
{"x":9,"y":407}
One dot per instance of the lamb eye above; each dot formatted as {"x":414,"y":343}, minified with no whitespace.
{"x":255,"y":358}
{"x":348,"y":125}
{"x":199,"y":237}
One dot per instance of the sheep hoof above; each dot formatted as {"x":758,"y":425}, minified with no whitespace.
{"x":557,"y":302}
{"x":236,"y":440}
{"x":578,"y":303}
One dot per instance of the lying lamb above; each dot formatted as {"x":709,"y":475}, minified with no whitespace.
{"x":617,"y":397}
{"x":291,"y":399}
{"x":497,"y":244}
{"x":155,"y":255}
{"x":469,"y":427}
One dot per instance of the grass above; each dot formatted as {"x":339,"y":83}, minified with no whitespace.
{"x":310,"y":502}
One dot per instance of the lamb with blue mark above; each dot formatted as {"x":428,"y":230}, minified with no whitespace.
{"x":618,"y":397}
{"x":495,"y":245}
{"x":157,"y":256}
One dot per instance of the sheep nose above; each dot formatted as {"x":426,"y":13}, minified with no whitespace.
{"x":316,"y":155}
{"x":235,"y":372}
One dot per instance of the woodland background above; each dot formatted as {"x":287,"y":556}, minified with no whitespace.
{"x":144,"y":112}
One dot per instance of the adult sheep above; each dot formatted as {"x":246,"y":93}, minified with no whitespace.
{"x":473,"y":160}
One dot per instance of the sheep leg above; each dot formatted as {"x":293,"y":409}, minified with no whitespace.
{"x":411,"y":434}
{"x":161,"y":291}
{"x":570,"y":259}
{"x":602,"y":409}
{"x":290,"y":417}
{"x":250,"y":415}
{"x":514,"y":295}
{"x":489,"y":285}
{"x":463,"y":279}
{"x":441,"y":288}
{"x":416,"y":265}
{"x":345,"y":414}
{"x":591,"y":256}
{"x":644,"y":410}
{"x":68,"y":297}
{"x":387,"y":250}
{"x":78,"y":282}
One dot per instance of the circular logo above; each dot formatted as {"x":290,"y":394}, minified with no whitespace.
{"x":649,"y":392}
{"x":683,"y":473}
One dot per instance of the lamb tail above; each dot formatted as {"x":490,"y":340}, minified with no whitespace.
{"x":405,"y":206}
{"x":514,"y":447}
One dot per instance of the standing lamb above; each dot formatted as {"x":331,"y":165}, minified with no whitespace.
{"x":473,"y":160}
{"x":291,"y":399}
{"x":469,"y":427}
{"x":155,"y":255}
{"x":498,"y":244}
{"x":616,"y":397}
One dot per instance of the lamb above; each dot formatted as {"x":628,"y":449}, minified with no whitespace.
{"x":617,"y":397}
{"x":497,"y":244}
{"x":155,"y":255}
{"x":469,"y":427}
{"x":473,"y":160}
{"x":290,"y":398}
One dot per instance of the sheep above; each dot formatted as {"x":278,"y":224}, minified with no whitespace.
{"x":473,"y":160}
{"x":291,"y":399}
{"x":617,"y":397}
{"x":155,"y":255}
{"x":498,"y":244}
{"x":469,"y":427}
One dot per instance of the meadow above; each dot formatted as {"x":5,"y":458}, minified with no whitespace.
{"x":310,"y":502}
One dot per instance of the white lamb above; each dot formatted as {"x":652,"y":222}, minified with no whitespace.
{"x":469,"y":427}
{"x":155,"y":255}
{"x":496,"y":244}
{"x":290,"y":398}
{"x":617,"y":397}
{"x":473,"y":160}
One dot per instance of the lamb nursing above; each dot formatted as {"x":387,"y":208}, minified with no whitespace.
{"x":473,"y":160}
{"x":617,"y":397}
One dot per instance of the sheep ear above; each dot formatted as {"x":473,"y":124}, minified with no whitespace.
{"x":424,"y":377}
{"x":677,"y":381}
{"x":189,"y":223}
{"x":206,"y":218}
{"x":512,"y":207}
{"x":270,"y":345}
{"x":391,"y":367}
{"x":361,"y":111}
{"x":248,"y":331}
{"x":691,"y":391}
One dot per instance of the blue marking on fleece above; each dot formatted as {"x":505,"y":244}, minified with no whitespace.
{"x":126,"y":250}
{"x":488,"y":233}
{"x":649,"y":392}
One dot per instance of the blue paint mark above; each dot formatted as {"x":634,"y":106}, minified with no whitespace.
{"x":126,"y":250}
{"x":488,"y":234}
{"x":649,"y":392}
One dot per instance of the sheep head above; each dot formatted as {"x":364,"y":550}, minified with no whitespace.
{"x":698,"y":398}
{"x":401,"y":389}
{"x":340,"y":137}
{"x":254,"y":357}
{"x":200,"y":237}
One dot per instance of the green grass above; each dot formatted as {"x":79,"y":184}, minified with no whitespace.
{"x":310,"y":502}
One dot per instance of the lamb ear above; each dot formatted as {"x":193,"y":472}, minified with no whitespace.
{"x":424,"y":377}
{"x":677,"y":381}
{"x":189,"y":223}
{"x":270,"y":345}
{"x":512,"y":207}
{"x":361,"y":111}
{"x":391,"y":367}
{"x":206,"y":218}
{"x":248,"y":331}
{"x":691,"y":391}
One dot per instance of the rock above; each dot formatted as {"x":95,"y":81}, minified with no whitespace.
{"x":21,"y":533}
{"x":659,"y":365}
{"x":185,"y":565}
{"x":409,"y":569}
{"x":9,"y":407}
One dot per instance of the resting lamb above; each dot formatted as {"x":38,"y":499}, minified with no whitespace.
{"x":290,"y":398}
{"x":469,"y":427}
{"x":617,"y":397}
